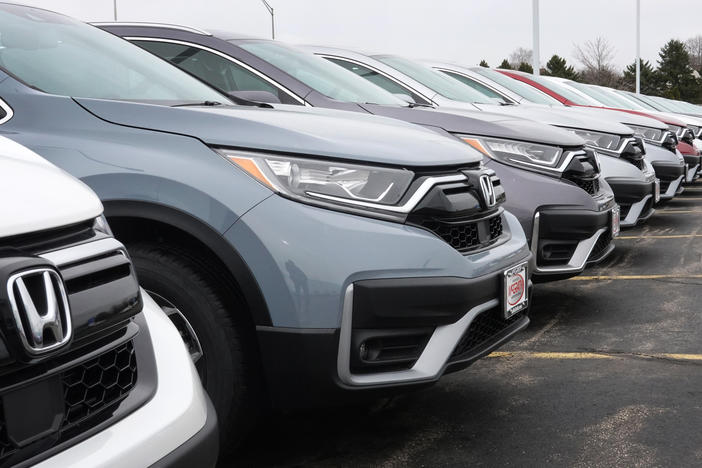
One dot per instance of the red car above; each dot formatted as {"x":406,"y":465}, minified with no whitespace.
{"x":573,"y":99}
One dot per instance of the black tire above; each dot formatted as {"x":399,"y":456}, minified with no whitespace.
{"x":229,"y":365}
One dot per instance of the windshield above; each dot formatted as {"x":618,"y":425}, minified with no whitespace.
{"x":58,"y":55}
{"x":479,"y":87}
{"x":529,"y":93}
{"x":633,"y":103}
{"x":601,"y":95}
{"x":436,"y":81}
{"x":645,"y":101}
{"x":564,"y":91}
{"x":320,"y":75}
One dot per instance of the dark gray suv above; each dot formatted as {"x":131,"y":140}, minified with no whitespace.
{"x":306,"y":255}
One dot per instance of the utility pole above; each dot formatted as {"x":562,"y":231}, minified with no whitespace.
{"x":270,"y":10}
{"x":535,"y":54}
{"x":114,"y":5}
{"x":638,"y":46}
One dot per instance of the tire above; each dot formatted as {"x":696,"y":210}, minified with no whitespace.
{"x":229,"y":363}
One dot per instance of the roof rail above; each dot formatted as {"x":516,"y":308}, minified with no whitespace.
{"x":161,"y":25}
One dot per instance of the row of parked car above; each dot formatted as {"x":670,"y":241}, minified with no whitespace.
{"x":319,"y":225}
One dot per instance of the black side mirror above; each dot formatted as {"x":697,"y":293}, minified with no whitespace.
{"x":255,"y":96}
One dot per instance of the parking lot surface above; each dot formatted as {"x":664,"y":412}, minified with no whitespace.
{"x":609,"y":372}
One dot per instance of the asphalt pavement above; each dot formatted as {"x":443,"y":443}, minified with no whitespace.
{"x":608,"y":373}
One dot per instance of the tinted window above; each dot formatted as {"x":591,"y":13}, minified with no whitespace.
{"x":378,"y":79}
{"x":59,"y":55}
{"x":318,"y":74}
{"x":213,"y":69}
{"x":529,"y":93}
{"x":479,"y":87}
{"x":434,"y":80}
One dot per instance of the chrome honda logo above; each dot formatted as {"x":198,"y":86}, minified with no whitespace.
{"x":488,"y":191}
{"x":40,"y":306}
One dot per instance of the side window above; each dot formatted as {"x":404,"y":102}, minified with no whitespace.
{"x":479,"y":87}
{"x":378,"y":79}
{"x":213,"y":69}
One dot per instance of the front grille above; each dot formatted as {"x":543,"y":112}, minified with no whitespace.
{"x":97,"y":384}
{"x":590,"y":186}
{"x":466,"y":236}
{"x":639,"y":163}
{"x":50,"y":239}
{"x":89,"y":390}
{"x":601,"y":246}
{"x":483,"y":331}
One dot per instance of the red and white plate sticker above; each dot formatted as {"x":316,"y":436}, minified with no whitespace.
{"x":515,"y":294}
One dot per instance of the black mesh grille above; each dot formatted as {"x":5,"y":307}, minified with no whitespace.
{"x":639,"y":163}
{"x":590,"y":186}
{"x":483,"y":331}
{"x":465,"y":237}
{"x":89,"y":389}
{"x":97,"y":384}
{"x":495,"y":227}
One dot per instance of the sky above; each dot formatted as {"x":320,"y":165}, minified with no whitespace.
{"x":460,"y":31}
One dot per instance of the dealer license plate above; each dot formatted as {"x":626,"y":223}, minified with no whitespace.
{"x":515,"y":293}
{"x":615,"y":221}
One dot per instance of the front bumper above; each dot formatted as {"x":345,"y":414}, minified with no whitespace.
{"x":564,"y":241}
{"x":692,"y":166}
{"x":177,"y":414}
{"x":635,"y":199}
{"x":310,"y":300}
{"x":431,"y":326}
{"x":671,"y":175}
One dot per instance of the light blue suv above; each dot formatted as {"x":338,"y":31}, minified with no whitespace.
{"x":306,"y":255}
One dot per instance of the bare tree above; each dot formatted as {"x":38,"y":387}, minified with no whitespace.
{"x":519,"y":56}
{"x":596,"y":57}
{"x":694,"y":48}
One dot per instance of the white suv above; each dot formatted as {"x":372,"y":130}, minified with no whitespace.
{"x":92,"y":372}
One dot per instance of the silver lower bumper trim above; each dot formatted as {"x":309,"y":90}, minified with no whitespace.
{"x":634,"y":212}
{"x":577,"y":261}
{"x":430,"y":364}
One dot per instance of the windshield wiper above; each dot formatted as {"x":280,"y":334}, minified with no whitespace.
{"x":203,"y":103}
{"x":412,"y":105}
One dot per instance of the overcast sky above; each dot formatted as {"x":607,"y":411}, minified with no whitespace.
{"x":462,"y":31}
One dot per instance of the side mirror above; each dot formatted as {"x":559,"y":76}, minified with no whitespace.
{"x":255,"y":96}
{"x":405,"y":97}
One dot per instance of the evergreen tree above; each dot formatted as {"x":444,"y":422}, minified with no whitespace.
{"x":675,"y":73}
{"x":483,"y":63}
{"x":505,"y":65}
{"x":525,"y":67}
{"x":557,"y":66}
{"x":649,"y":78}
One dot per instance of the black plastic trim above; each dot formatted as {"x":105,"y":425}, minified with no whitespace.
{"x":208,"y":236}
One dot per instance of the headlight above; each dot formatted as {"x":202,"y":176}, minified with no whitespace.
{"x":518,"y":153}
{"x":605,"y":141}
{"x":100,"y":225}
{"x":675,"y":129}
{"x":314,"y":180}
{"x":647,"y":133}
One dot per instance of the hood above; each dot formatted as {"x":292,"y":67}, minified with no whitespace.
{"x":480,"y":124}
{"x":561,"y":117}
{"x":41,"y":196}
{"x":294,"y":129}
{"x":619,"y":116}
{"x":687,"y":119}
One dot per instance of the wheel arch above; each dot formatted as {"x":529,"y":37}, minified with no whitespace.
{"x":137,"y":220}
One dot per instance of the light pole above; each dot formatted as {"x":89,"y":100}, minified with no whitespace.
{"x":638,"y":46}
{"x":114,"y":5}
{"x":535,"y":54}
{"x":270,"y":10}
